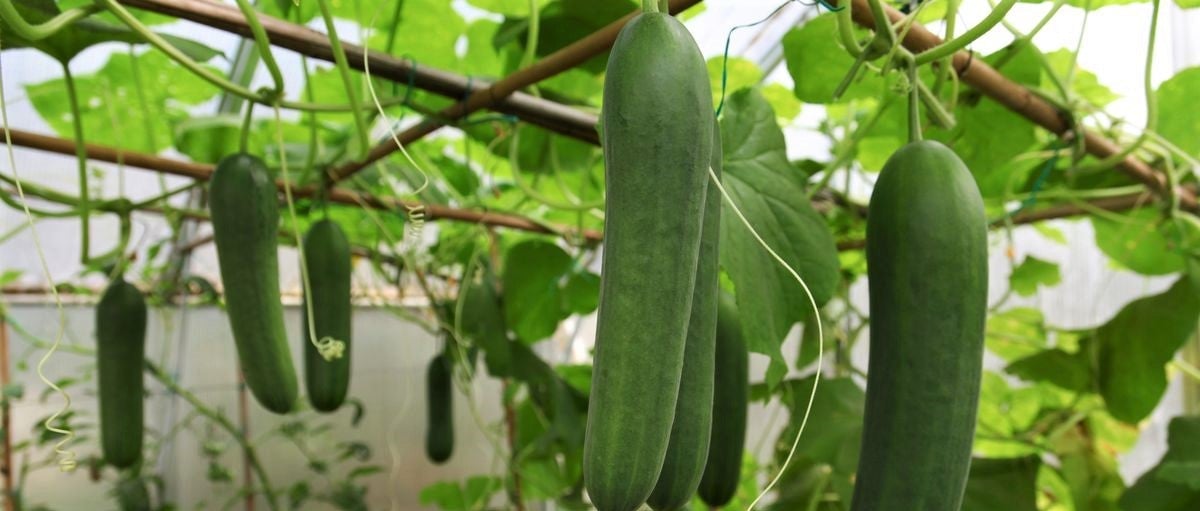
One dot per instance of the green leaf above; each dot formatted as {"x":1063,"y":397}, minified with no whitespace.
{"x":739,"y":73}
{"x":533,"y":271}
{"x":1016,"y":333}
{"x":1139,"y":240}
{"x":1136,"y":345}
{"x":110,"y":101}
{"x":472,"y":494}
{"x":1174,"y":484}
{"x":1084,"y":83}
{"x":483,"y":322}
{"x":762,"y":183}
{"x":1176,"y":99}
{"x":65,"y":44}
{"x":581,"y":294}
{"x":509,"y":8}
{"x":830,"y":450}
{"x":208,"y":138}
{"x":1070,"y":371}
{"x":817,"y":63}
{"x":1051,"y":233}
{"x":1031,"y":273}
{"x":785,"y":104}
{"x":1002,"y":484}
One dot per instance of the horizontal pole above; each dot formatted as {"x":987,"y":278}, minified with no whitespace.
{"x":203,"y":172}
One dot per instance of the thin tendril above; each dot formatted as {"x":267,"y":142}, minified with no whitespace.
{"x":416,"y":211}
{"x":66,"y":457}
{"x":820,"y":332}
{"x":328,"y":347}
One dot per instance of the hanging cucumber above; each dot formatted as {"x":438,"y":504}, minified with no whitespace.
{"x":439,"y":435}
{"x":657,"y":141}
{"x":723,"y":470}
{"x":927,"y":271}
{"x":689,"y":445}
{"x":327,"y":254}
{"x":245,"y":219}
{"x":120,"y":355}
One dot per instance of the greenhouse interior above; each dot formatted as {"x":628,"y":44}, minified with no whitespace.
{"x":544,"y":255}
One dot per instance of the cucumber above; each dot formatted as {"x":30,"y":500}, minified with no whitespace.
{"x":120,"y":359}
{"x":439,"y":433}
{"x":927,"y":272}
{"x":327,"y":257}
{"x":245,"y":220}
{"x":657,"y":125}
{"x":688,"y":448}
{"x":723,"y":471}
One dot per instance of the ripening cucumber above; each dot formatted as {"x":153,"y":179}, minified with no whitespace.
{"x":657,"y":137}
{"x":120,"y":359}
{"x":688,"y":448}
{"x":439,"y":432}
{"x":723,"y":470}
{"x":327,"y":258}
{"x":927,"y":276}
{"x":245,"y":219}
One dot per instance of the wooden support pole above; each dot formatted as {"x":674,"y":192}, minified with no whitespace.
{"x":203,"y":172}
{"x":566,"y":58}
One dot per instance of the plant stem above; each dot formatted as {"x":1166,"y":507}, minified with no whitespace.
{"x":30,"y":32}
{"x":263,"y":42}
{"x":339,"y":59}
{"x":81,"y":160}
{"x":247,"y":449}
{"x":948,"y":48}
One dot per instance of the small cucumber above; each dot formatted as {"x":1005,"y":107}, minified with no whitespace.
{"x":245,"y":217}
{"x":439,"y":434}
{"x":120,"y":359}
{"x":723,"y":471}
{"x":327,"y":254}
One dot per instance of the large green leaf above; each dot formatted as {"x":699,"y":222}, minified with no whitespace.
{"x":111,"y":102}
{"x":765,"y":187}
{"x":1002,"y":484}
{"x":1174,"y":484}
{"x":1140,"y":240}
{"x":817,"y":63}
{"x":1136,"y":345}
{"x":533,"y":273}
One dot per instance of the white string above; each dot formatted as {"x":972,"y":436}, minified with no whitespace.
{"x":817,"y":319}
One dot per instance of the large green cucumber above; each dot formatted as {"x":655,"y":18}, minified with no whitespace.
{"x":657,"y":141}
{"x":688,"y":448}
{"x":120,"y":359}
{"x":327,"y":257}
{"x":245,"y":219}
{"x":439,"y":389}
{"x":723,"y":470}
{"x":927,"y":272}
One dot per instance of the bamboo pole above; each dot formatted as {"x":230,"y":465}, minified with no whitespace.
{"x":566,"y":58}
{"x":547,"y":114}
{"x":203,"y":172}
